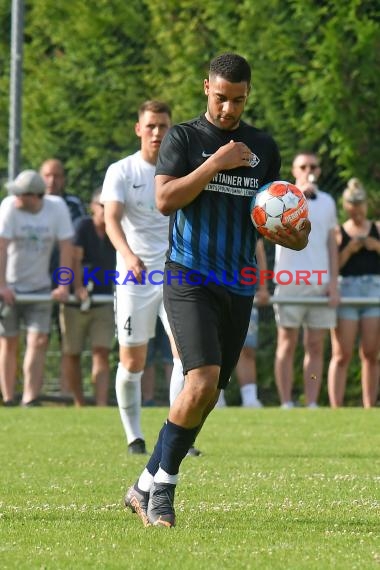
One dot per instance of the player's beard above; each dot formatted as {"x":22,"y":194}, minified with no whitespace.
{"x":231,"y":124}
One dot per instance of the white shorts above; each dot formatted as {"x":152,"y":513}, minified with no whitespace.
{"x":310,"y":316}
{"x":137,"y":308}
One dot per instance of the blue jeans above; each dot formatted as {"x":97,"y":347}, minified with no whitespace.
{"x":360,"y":286}
{"x":253,"y":329}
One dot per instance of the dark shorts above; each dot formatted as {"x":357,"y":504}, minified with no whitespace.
{"x":159,"y":346}
{"x":208,"y":322}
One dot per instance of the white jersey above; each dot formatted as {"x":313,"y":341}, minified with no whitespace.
{"x":131,"y":182}
{"x":32,"y":237}
{"x":315,"y":256}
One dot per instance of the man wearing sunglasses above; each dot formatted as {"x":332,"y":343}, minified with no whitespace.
{"x":319,"y":263}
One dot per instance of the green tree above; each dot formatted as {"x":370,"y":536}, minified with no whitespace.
{"x":82,"y":81}
{"x":88,"y":65}
{"x":186,"y":35}
{"x":316,"y":69}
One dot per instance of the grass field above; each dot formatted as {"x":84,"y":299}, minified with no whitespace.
{"x":274,"y":489}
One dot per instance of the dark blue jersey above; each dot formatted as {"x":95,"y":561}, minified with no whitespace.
{"x":214,"y":234}
{"x":75,"y":205}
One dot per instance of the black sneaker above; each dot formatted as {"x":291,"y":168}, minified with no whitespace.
{"x":9,"y":403}
{"x":137,"y":501}
{"x":194,"y":452}
{"x":161,"y":505}
{"x":137,"y":447}
{"x":36,"y":403}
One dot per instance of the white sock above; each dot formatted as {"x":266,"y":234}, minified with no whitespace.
{"x":145,"y":481}
{"x":177,"y":380}
{"x":162,"y":477}
{"x":128,"y":395}
{"x":248,"y":394}
{"x":221,"y":403}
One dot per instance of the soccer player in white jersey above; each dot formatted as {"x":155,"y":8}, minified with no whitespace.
{"x":139,"y":233}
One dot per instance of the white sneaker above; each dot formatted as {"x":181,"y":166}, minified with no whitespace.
{"x":312,"y":406}
{"x":287,"y":405}
{"x":254,"y":404}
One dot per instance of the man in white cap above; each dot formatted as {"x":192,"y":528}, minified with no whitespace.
{"x":30,"y":223}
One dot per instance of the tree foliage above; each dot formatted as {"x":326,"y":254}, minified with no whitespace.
{"x":89,"y":64}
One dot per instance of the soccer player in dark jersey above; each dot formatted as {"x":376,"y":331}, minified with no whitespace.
{"x":207,"y":172}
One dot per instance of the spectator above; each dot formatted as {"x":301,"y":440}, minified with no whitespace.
{"x":139,"y":233}
{"x":246,"y":372}
{"x":30,"y":223}
{"x":159,"y":353}
{"x":320,"y":259}
{"x":53,"y":173}
{"x":358,"y":241}
{"x":93,"y":252}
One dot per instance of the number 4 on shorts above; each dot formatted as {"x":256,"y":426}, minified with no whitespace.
{"x":128,"y":326}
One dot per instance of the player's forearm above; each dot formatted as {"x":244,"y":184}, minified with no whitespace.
{"x":3,"y":260}
{"x":334,"y":261}
{"x":117,"y":237}
{"x":77,"y":266}
{"x":175,"y":193}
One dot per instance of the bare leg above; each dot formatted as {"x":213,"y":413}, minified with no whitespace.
{"x":342,"y":344}
{"x":101,"y":374}
{"x":313,"y":363}
{"x":369,"y":351}
{"x":246,"y":376}
{"x":246,"y":366}
{"x":286,"y":345}
{"x":148,"y":381}
{"x":63,"y":379}
{"x":34,"y":362}
{"x":8,"y":366}
{"x":71,"y":367}
{"x":197,"y":399}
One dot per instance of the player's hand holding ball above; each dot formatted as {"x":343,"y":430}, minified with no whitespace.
{"x":279,"y":212}
{"x":290,"y":237}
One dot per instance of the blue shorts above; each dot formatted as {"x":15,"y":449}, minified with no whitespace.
{"x":253,"y":328}
{"x":361,"y":286}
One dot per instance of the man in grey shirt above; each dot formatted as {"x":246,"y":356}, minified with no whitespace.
{"x":30,"y":223}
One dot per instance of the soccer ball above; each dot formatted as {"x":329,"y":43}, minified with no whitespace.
{"x":278,"y":203}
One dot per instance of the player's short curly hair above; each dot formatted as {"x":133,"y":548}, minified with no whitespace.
{"x":232,"y":67}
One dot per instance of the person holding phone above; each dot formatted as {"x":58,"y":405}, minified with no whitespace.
{"x":358,"y":241}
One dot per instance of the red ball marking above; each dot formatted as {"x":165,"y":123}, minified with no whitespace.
{"x":295,"y":216}
{"x":259,"y":216}
{"x":282,"y":191}
{"x":278,"y":189}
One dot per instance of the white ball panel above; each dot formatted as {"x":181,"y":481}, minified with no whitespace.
{"x":275,"y":207}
